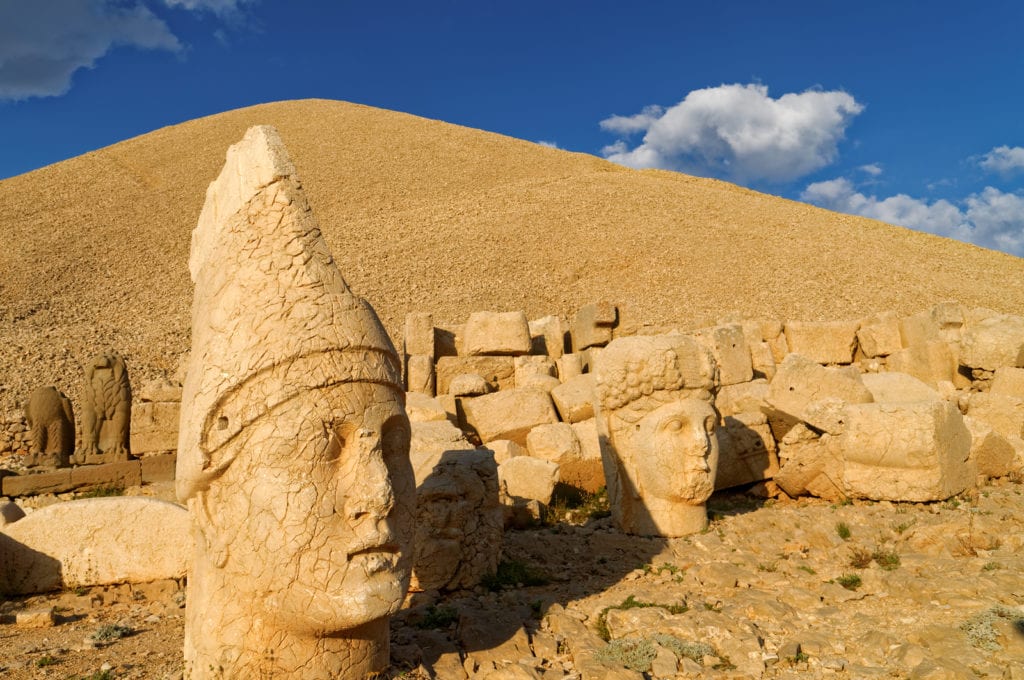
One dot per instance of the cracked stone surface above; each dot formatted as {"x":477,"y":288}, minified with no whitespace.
{"x":293,"y":450}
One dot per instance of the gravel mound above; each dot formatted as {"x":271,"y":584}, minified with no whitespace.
{"x":427,"y":216}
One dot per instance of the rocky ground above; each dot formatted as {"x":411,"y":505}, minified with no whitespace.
{"x":774,"y":589}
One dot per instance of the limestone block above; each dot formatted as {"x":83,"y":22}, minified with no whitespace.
{"x":569,"y":366}
{"x":509,"y":414}
{"x":555,"y":442}
{"x":31,"y":485}
{"x":728,"y":346}
{"x":1004,"y":414}
{"x":746,"y":397}
{"x":808,"y":465}
{"x":548,"y":336}
{"x":950,"y":318}
{"x":9,"y":512}
{"x":119,"y":475}
{"x":931,"y":362}
{"x":504,"y":449}
{"x":778,"y":344}
{"x":823,"y":342}
{"x":498,"y":371}
{"x":898,"y":388}
{"x":497,"y":333}
{"x":1008,"y":380}
{"x":430,"y":441}
{"x":159,"y":389}
{"x":155,"y":426}
{"x":800,"y":382}
{"x":530,"y":478}
{"x":448,"y":339}
{"x":419,"y":334}
{"x":746,"y":451}
{"x":423,"y":409}
{"x":879,"y":335}
{"x":459,"y":522}
{"x":919,"y":329}
{"x":468,"y":385}
{"x":993,"y":343}
{"x":762,"y":360}
{"x":544,"y":383}
{"x":95,"y":541}
{"x":526,"y":366}
{"x":588,"y":474}
{"x":588,"y":357}
{"x":593,"y":325}
{"x":574,"y":398}
{"x":419,"y":374}
{"x":158,"y":468}
{"x":914,"y":451}
{"x":991,"y":453}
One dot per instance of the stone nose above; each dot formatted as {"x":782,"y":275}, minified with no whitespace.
{"x":365,"y":489}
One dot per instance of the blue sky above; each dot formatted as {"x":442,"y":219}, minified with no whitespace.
{"x":912,"y":113}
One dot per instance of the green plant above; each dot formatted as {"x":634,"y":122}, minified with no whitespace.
{"x":903,"y":526}
{"x":638,"y":653}
{"x":102,"y":492}
{"x":980,"y":628}
{"x":992,"y":566}
{"x":800,"y":657}
{"x":859,"y":558}
{"x":514,"y":574}
{"x":804,"y":567}
{"x":843,"y":529}
{"x":887,"y":560}
{"x":111,"y":631}
{"x":695,"y":651}
{"x":633,"y":653}
{"x":849,"y":581}
{"x":45,"y":660}
{"x":100,"y":675}
{"x":438,"y":617}
{"x":769,"y":567}
{"x":632,"y":603}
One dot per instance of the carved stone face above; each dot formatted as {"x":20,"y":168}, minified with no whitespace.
{"x":319,"y":509}
{"x":676,"y":452}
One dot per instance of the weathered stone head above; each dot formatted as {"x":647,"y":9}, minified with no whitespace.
{"x":294,"y":443}
{"x":657,"y":431}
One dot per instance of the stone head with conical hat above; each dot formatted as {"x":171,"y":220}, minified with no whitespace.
{"x":293,"y":444}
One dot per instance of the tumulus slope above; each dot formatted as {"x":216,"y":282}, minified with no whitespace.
{"x":427,"y":216}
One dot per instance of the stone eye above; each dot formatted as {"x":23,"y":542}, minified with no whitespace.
{"x":674,"y":425}
{"x":709,"y":424}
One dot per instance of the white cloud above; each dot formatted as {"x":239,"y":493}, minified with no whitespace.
{"x":43,"y":43}
{"x":873,"y":169}
{"x":1003,"y":159}
{"x":550,"y":145}
{"x":991,"y":218}
{"x":739,"y":132}
{"x":220,"y":7}
{"x":628,"y":125}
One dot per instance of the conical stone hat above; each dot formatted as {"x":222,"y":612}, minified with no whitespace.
{"x":272,"y":316}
